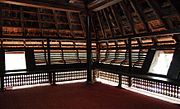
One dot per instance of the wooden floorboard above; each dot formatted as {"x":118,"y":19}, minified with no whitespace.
{"x":79,"y":96}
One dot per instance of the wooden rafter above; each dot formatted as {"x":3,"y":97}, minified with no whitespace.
{"x":30,"y":3}
{"x":100,"y":23}
{"x":107,"y":21}
{"x":118,"y":22}
{"x":141,"y":14}
{"x":128,"y":16}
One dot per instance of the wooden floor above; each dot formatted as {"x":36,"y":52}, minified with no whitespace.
{"x":79,"y":96}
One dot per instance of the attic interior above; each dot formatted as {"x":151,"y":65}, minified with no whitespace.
{"x":133,"y":43}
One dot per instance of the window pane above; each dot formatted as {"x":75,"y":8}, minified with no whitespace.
{"x":15,"y":60}
{"x":161,"y":62}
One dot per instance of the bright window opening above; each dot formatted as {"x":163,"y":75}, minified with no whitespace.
{"x":161,"y":62}
{"x":15,"y":61}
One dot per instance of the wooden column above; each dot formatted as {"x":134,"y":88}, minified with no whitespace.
{"x":130,"y":61}
{"x":89,"y":51}
{"x":2,"y":55}
{"x":2,"y":69}
{"x":30,"y":59}
{"x":49,"y":61}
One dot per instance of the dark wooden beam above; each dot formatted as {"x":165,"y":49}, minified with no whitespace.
{"x":97,"y":51}
{"x":96,"y":6}
{"x":89,"y":51}
{"x":44,"y":38}
{"x":97,"y":46}
{"x":35,"y":4}
{"x":128,"y":16}
{"x":70,"y":24}
{"x":100,"y":23}
{"x":2,"y":68}
{"x":130,"y":60}
{"x":107,"y":21}
{"x":119,"y":24}
{"x":49,"y":60}
{"x":82,"y":24}
{"x":30,"y":59}
{"x":165,"y":32}
{"x":174,"y":68}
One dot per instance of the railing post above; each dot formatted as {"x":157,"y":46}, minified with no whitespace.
{"x":54,"y":78}
{"x":49,"y":60}
{"x":120,"y":81}
{"x":2,"y":82}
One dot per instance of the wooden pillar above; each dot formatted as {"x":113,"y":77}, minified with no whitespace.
{"x":2,"y":69}
{"x":49,"y":61}
{"x":130,"y":61}
{"x":88,"y":45}
{"x":30,"y":59}
{"x":2,"y":55}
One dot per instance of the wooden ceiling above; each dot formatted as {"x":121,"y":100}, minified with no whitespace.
{"x":118,"y":18}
